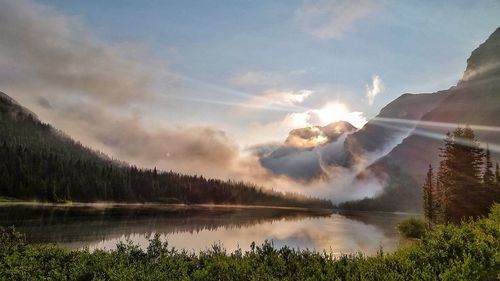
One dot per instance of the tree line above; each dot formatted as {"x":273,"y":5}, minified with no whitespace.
{"x":465,"y":184}
{"x":38,"y":162}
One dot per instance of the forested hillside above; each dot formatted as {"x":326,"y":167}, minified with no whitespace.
{"x":37,"y":162}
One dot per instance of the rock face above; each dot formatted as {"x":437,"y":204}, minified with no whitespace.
{"x":475,"y":100}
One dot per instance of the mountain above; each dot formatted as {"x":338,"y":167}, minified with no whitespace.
{"x":38,"y":162}
{"x":313,"y":136}
{"x":381,"y":132}
{"x":301,"y":155}
{"x":475,"y":101}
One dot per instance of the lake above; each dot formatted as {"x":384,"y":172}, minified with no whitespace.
{"x":195,"y":228}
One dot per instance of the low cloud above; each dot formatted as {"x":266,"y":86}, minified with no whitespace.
{"x":321,"y":171}
{"x":325,"y":171}
{"x":374,"y":89}
{"x":184,"y":149}
{"x":328,"y":19}
{"x":43,"y":102}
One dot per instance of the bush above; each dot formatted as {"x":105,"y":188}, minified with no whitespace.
{"x":413,"y":228}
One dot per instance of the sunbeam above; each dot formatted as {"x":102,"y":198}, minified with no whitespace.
{"x":237,"y":93}
{"x":232,"y":104}
{"x":436,"y":124}
{"x":431,"y":134}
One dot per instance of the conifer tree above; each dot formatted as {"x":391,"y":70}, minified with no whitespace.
{"x":459,"y":175}
{"x":497,"y":175}
{"x":429,"y":196}
{"x":444,"y":178}
{"x":488,"y":176}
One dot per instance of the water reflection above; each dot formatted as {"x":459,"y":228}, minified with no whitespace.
{"x":198,"y":227}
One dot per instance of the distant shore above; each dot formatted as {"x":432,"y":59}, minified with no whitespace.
{"x":5,"y":201}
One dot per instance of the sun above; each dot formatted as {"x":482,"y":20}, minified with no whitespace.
{"x":337,"y":111}
{"x":332,"y":112}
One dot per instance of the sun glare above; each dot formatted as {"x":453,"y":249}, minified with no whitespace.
{"x":332,"y":112}
{"x":336,"y":111}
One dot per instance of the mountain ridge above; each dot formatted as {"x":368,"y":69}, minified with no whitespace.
{"x":475,"y":100}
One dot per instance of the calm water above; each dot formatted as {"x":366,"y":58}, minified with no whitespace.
{"x":195,"y":228}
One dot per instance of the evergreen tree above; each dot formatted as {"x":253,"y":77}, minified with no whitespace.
{"x":497,"y":175}
{"x":429,"y":196}
{"x":444,"y":178}
{"x":459,"y":174}
{"x":488,"y":176}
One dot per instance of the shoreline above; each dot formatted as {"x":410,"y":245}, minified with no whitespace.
{"x":111,"y":204}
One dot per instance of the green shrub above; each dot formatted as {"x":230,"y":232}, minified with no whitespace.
{"x":413,"y":228}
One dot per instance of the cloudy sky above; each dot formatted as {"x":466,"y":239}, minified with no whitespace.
{"x":188,"y":85}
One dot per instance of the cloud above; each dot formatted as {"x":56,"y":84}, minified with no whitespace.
{"x":286,"y":98}
{"x":43,"y":102}
{"x":324,"y":170}
{"x":278,"y":98}
{"x":94,"y":91}
{"x":328,"y":19}
{"x":321,"y":171}
{"x":55,"y":52}
{"x":374,"y":89}
{"x":131,"y":138}
{"x":329,"y":113}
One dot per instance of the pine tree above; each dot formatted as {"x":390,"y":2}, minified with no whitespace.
{"x":459,"y":176}
{"x":488,"y":176}
{"x":497,"y":175}
{"x":429,"y":196}
{"x":444,"y":179}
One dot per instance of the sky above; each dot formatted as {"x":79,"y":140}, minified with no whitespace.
{"x":190,"y":85}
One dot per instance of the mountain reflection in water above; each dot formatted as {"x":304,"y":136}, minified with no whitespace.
{"x":196,"y":228}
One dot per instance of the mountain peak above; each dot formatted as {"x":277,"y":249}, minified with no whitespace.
{"x":484,"y":60}
{"x":313,"y":136}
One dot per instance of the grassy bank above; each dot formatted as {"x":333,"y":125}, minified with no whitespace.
{"x":469,"y":251}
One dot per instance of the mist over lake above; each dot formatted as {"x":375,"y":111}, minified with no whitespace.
{"x":195,"y":228}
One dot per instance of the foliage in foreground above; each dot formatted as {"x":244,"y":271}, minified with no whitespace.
{"x":469,"y":251}
{"x":413,"y":228}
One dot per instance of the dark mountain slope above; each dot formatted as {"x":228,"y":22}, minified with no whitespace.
{"x":38,"y":162}
{"x":474,"y":101}
{"x":379,"y":133}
